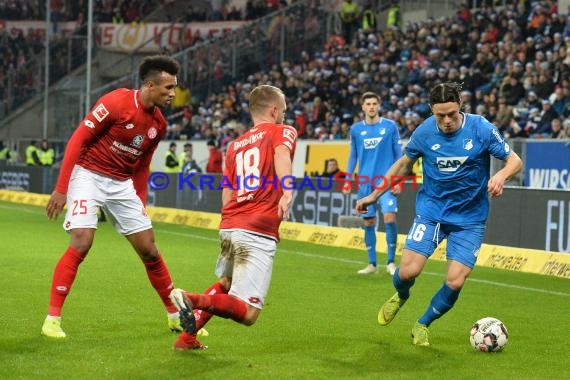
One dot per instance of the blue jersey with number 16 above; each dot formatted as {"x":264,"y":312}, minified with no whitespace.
{"x":456,"y":169}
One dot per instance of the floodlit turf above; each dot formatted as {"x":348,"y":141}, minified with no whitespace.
{"x":319,"y":321}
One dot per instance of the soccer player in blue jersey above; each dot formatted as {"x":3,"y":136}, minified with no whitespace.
{"x":375,"y":145}
{"x":453,"y":202}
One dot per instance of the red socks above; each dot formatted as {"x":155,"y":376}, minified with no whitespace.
{"x":222,"y":305}
{"x":202,"y":316}
{"x":161,"y":281}
{"x":63,"y":277}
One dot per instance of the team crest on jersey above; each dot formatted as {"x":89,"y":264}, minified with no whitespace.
{"x":467,"y":144}
{"x":152,"y":133}
{"x":100,"y":112}
{"x":138,"y":140}
{"x":372,"y":142}
{"x":383,"y":131}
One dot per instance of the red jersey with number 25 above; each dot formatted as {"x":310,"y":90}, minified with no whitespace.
{"x":250,"y":173}
{"x":116,"y":139}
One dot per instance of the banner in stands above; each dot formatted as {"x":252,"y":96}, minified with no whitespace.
{"x":35,"y":28}
{"x":547,"y":165}
{"x":153,"y":37}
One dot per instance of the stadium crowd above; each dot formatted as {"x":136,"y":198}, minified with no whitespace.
{"x":514,"y":64}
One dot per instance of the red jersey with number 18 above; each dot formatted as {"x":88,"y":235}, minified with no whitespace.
{"x":250,"y":173}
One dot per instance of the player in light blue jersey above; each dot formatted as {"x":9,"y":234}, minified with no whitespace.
{"x":375,"y":145}
{"x":453,"y":202}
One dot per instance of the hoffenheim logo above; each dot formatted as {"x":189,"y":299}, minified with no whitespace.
{"x":138,"y":140}
{"x":468,"y":144}
{"x":383,"y":131}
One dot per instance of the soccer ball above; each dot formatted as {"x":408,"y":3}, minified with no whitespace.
{"x":489,"y":335}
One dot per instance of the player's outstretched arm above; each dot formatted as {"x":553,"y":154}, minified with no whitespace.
{"x":497,"y":182}
{"x":394,"y":176}
{"x":283,"y":168}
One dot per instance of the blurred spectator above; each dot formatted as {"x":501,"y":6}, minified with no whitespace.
{"x":32,"y":154}
{"x":214,"y":158}
{"x":349,"y":14}
{"x":171,"y":164}
{"x":46,"y":154}
{"x":331,"y":168}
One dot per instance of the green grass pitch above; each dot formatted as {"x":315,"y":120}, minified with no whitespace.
{"x":319,"y":321}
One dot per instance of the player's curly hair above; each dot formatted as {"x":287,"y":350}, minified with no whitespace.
{"x":152,"y":66}
{"x":445,"y":93}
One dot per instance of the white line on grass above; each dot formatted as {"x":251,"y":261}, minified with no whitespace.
{"x":339,"y":259}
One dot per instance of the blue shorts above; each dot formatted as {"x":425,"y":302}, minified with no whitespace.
{"x":463,"y":242}
{"x":388,"y":202}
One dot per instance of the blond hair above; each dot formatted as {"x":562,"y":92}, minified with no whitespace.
{"x":264,"y":96}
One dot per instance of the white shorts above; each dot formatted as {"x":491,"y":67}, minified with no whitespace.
{"x":89,"y":191}
{"x":248,"y":259}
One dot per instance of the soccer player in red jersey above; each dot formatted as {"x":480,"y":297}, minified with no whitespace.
{"x":257,"y":194}
{"x":106,"y":164}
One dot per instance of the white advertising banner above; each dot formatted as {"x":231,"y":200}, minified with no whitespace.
{"x":151,"y":38}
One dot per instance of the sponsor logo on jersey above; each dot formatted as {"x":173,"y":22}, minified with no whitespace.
{"x":363,"y":133}
{"x":138,"y":140}
{"x":100,"y":112}
{"x":450,"y":164}
{"x":152,"y":133}
{"x":507,"y":148}
{"x":89,"y":124}
{"x":372,"y":142}
{"x":129,"y":126}
{"x":467,"y":144}
{"x":289,"y":134}
{"x":117,"y":146}
{"x":435,"y":147}
{"x":249,"y":140}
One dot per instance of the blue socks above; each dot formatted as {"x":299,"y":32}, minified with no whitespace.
{"x":391,"y":240}
{"x":370,"y":241}
{"x":440,"y":304}
{"x":403,"y":287}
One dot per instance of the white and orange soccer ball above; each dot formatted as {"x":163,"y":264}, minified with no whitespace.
{"x":489,"y":335}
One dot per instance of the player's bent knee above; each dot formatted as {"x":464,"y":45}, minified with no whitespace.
{"x":251,"y":316}
{"x":369,"y":222}
{"x":81,"y":240}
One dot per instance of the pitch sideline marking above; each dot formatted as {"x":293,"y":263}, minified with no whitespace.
{"x":338,"y":259}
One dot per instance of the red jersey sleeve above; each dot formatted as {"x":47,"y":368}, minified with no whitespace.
{"x":287,"y":136}
{"x":95,"y":123}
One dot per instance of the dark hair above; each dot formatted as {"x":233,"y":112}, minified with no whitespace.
{"x":368,"y":95}
{"x":211,"y":143}
{"x":445,"y":93}
{"x":172,"y":144}
{"x":152,"y":66}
